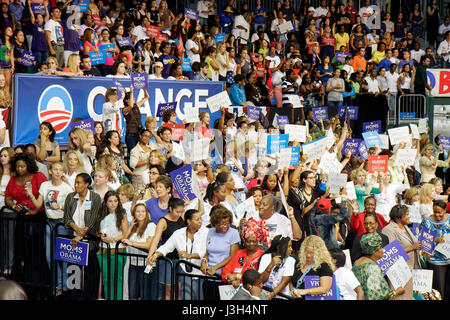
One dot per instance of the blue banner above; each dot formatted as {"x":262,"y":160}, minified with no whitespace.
{"x":83,"y":5}
{"x":97,"y":58}
{"x":186,"y":66}
{"x":58,"y":100}
{"x":182,"y":181}
{"x":352,"y":112}
{"x":340,"y":56}
{"x":164,"y":107}
{"x":314,"y":282}
{"x":372,"y":138}
{"x":139,"y":80}
{"x":65,"y":252}
{"x":87,"y":124}
{"x":122,"y":42}
{"x":191,"y":14}
{"x":372,"y":126}
{"x":276,"y":142}
{"x":220,"y":37}
{"x":253,"y":112}
{"x":38,"y":8}
{"x":103,"y":47}
{"x":295,"y":156}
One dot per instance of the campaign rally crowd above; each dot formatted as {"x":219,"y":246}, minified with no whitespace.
{"x":297,"y":183}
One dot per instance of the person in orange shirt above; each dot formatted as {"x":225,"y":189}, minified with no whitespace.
{"x":359,"y":61}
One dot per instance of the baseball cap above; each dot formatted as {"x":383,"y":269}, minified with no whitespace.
{"x":311,"y":9}
{"x":324,"y":203}
{"x":159,"y":64}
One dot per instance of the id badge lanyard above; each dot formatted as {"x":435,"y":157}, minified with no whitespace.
{"x":300,"y":281}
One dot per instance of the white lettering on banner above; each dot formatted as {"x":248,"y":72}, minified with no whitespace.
{"x":422,"y":280}
{"x":73,"y":277}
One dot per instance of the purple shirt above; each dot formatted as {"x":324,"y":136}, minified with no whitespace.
{"x":167,"y":61}
{"x":70,"y":38}
{"x":39,"y":43}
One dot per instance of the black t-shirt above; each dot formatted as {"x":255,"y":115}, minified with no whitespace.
{"x":92,"y":72}
{"x":323,"y":271}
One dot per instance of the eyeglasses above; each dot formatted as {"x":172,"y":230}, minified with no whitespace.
{"x":370,"y":223}
{"x":227,"y":224}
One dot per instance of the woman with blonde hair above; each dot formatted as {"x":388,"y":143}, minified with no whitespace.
{"x":427,"y":194}
{"x":156,"y":157}
{"x":150,"y":124}
{"x":102,"y":177}
{"x":411,"y":196}
{"x":78,"y":141}
{"x":428,"y":163}
{"x":73,"y":66}
{"x":314,"y":260}
{"x":362,"y":189}
{"x":73,"y":165}
{"x":222,"y":58}
{"x":107,"y":162}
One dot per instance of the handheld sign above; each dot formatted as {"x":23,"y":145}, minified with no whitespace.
{"x":260,"y":68}
{"x":295,"y":132}
{"x":201,"y":147}
{"x":340,"y":56}
{"x":178,"y":151}
{"x":275,"y":142}
{"x":372,"y":126}
{"x":38,"y":8}
{"x":87,"y":124}
{"x":219,"y":100}
{"x":191,"y":14}
{"x":444,"y":247}
{"x":177,"y":131}
{"x":422,"y":125}
{"x":385,"y":139}
{"x":320,"y":113}
{"x":139,"y":80}
{"x":191,"y":114}
{"x":282,"y":121}
{"x":161,"y":38}
{"x":400,"y":134}
{"x":351,"y":191}
{"x":220,"y":37}
{"x":247,"y":206}
{"x":97,"y":58}
{"x":399,"y":273}
{"x":227,"y":292}
{"x":414,"y":131}
{"x":164,"y":107}
{"x":253,"y":112}
{"x":294,"y":99}
{"x":427,"y":239}
{"x":123,"y":42}
{"x":104,"y":47}
{"x":422,"y":280}
{"x":314,"y":149}
{"x":284,"y":158}
{"x":392,"y":252}
{"x":186,"y":66}
{"x":314,"y":282}
{"x":405,"y":157}
{"x":378,"y":163}
{"x":295,"y":156}
{"x":372,"y":138}
{"x":351,"y":146}
{"x":152,"y":31}
{"x":336,"y":181}
{"x":27,"y":58}
{"x":182,"y":181}
{"x":363,"y":153}
{"x":414,"y":214}
{"x":445,"y":141}
{"x":285,"y":27}
{"x":352,"y":112}
{"x":83,"y":5}
{"x":330,"y":163}
{"x":65,"y":252}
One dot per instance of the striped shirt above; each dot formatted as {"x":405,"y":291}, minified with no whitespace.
{"x":291,"y":91}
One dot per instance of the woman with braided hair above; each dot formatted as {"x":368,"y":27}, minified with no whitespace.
{"x":252,"y":233}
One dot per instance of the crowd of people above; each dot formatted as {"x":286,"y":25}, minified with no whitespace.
{"x":125,"y":199}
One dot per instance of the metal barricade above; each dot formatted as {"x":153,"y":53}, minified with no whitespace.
{"x":22,"y":251}
{"x":411,"y":108}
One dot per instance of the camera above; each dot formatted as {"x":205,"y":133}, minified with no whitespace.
{"x":142,"y":191}
{"x":25,"y":208}
{"x":188,"y":268}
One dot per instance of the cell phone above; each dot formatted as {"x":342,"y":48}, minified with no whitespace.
{"x":28,"y":185}
{"x":148,"y":269}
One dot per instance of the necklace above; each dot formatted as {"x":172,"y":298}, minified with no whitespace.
{"x":308,"y":194}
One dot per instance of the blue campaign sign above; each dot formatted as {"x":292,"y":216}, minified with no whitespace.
{"x":281,"y":121}
{"x":340,"y":56}
{"x":97,"y":58}
{"x":352,"y":112}
{"x":407,"y":115}
{"x":186,"y":66}
{"x":363,"y":153}
{"x":38,"y":8}
{"x":182,"y":181}
{"x":295,"y":156}
{"x":445,"y":141}
{"x":139,"y":80}
{"x":220,"y":37}
{"x":320,"y":113}
{"x":27,"y":58}
{"x":392,"y":252}
{"x":253,"y":112}
{"x":372,"y":138}
{"x":352,"y":146}
{"x":83,"y":5}
{"x":372,"y":126}
{"x":105,"y":46}
{"x":64,"y":251}
{"x":276,"y":142}
{"x":191,"y":14}
{"x":427,"y":239}
{"x":123,"y":42}
{"x":58,"y":100}
{"x":87,"y":124}
{"x":314,"y":282}
{"x":164,"y":107}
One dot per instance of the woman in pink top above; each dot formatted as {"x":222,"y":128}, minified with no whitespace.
{"x":89,"y":42}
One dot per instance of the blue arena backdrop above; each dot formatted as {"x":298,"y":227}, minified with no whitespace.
{"x":59,"y":100}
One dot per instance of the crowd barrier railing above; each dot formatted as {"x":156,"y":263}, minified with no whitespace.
{"x":411,"y":108}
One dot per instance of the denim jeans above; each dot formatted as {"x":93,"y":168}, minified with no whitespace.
{"x":333,"y":107}
{"x":161,"y":278}
{"x":60,"y":267}
{"x":139,"y":283}
{"x":41,"y":56}
{"x":131,"y":140}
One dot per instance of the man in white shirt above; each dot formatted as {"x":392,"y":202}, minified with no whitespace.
{"x":346,"y":281}
{"x":366,"y":12}
{"x":392,"y":77}
{"x":443,"y":28}
{"x":417,"y":53}
{"x":140,"y":32}
{"x":320,"y":13}
{"x":348,"y":66}
{"x":54,"y":36}
{"x":203,"y":10}
{"x":444,"y":50}
{"x":372,"y":82}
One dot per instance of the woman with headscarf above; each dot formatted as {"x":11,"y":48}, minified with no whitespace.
{"x":369,"y":274}
{"x":252,"y":233}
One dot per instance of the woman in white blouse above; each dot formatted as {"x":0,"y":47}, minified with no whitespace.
{"x":190,"y":242}
{"x":386,"y":199}
{"x":221,"y":58}
{"x":405,"y":80}
{"x":113,"y":226}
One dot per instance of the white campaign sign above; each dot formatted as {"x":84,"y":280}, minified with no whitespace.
{"x":397,"y":135}
{"x":191,"y":114}
{"x":385,"y":139}
{"x":294,"y":99}
{"x":286,"y":27}
{"x":350,"y":188}
{"x":178,"y":151}
{"x":283,"y":198}
{"x":406,"y":157}
{"x":296,"y":132}
{"x":422,"y":280}
{"x":219,"y":100}
{"x":336,"y":181}
{"x":315,"y":149}
{"x":330,"y":163}
{"x":348,"y":260}
{"x":201,"y":147}
{"x":444,"y":247}
{"x":399,"y":273}
{"x":245,"y":206}
{"x":414,"y":214}
{"x":284,"y":159}
{"x":414,"y":131}
{"x":227,"y":292}
{"x":422,"y":125}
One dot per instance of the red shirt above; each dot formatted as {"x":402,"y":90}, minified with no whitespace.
{"x":238,"y":263}
{"x":357,"y":222}
{"x":352,"y":12}
{"x":18,"y":193}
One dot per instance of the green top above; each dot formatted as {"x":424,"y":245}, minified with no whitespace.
{"x":421,"y":75}
{"x":373,"y":283}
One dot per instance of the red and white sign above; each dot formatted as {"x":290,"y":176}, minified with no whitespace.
{"x":152,"y":31}
{"x":177,"y":131}
{"x":378,"y":164}
{"x":439,"y":80}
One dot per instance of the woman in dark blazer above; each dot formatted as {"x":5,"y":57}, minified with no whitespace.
{"x":81,"y":210}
